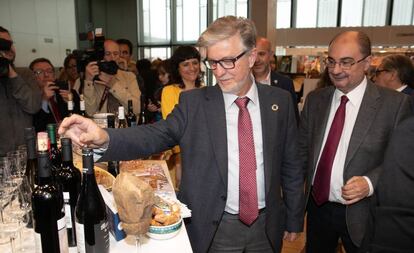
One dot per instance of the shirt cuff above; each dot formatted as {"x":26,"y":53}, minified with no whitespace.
{"x":98,"y":153}
{"x":45,"y":106}
{"x":371,"y":188}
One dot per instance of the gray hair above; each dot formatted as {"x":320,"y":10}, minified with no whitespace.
{"x":403,"y":65}
{"x":226,"y":27}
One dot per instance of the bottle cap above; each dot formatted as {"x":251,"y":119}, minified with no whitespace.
{"x":42,"y":141}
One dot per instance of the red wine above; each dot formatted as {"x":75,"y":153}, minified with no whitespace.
{"x":70,"y":180}
{"x":92,"y":232}
{"x":82,"y":106}
{"x":47,"y":207}
{"x":142,"y":119}
{"x":70,"y":104}
{"x":122,"y":123}
{"x":131,"y":118}
{"x":30,"y":136}
{"x":113,"y":166}
{"x":55,"y":155}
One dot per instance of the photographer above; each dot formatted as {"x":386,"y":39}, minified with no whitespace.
{"x":103,"y":91}
{"x":55,"y":95}
{"x":19,"y":99}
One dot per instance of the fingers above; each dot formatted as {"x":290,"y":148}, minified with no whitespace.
{"x":290,"y":237}
{"x":355,"y":189}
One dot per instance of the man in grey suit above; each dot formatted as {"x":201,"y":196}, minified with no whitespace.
{"x":344,"y":132}
{"x":207,"y":124}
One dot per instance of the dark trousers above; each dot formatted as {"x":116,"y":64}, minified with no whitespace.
{"x":233,"y":236}
{"x":325,"y":225}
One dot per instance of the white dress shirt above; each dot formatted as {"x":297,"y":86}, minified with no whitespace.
{"x":352,"y":108}
{"x":401,"y":88}
{"x":232,"y":114}
{"x":265,"y":81}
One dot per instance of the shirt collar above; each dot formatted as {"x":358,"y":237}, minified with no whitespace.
{"x":355,"y":96}
{"x":401,"y":88}
{"x":252,"y":94}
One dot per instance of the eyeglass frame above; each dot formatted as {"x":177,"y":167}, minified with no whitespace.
{"x":42,"y":72}
{"x":232,"y":60}
{"x":341,"y":63}
{"x":378,"y":71}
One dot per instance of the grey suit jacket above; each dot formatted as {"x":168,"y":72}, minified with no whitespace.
{"x":198,"y":125}
{"x":380,"y":112}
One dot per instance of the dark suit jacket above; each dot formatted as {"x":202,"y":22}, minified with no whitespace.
{"x":408,"y":90}
{"x":392,"y":228}
{"x":198,"y":125}
{"x":380,"y":112}
{"x":284,"y":82}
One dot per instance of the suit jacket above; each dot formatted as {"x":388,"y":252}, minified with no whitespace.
{"x":392,"y":226}
{"x":198,"y":125}
{"x":380,"y":112}
{"x":408,"y":90}
{"x":285,"y":83}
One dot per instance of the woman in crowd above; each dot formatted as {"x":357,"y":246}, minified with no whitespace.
{"x":185,"y":75}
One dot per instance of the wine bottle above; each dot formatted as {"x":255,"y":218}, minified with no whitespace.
{"x":48,"y":215}
{"x":70,"y":179}
{"x":92,"y":232}
{"x":70,"y":104}
{"x":82,"y":106}
{"x":55,"y":154}
{"x":113,"y":166}
{"x":142,"y":119}
{"x":131,"y":118}
{"x":121,"y":118}
{"x":30,"y":136}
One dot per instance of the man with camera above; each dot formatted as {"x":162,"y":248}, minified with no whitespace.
{"x":19,"y":99}
{"x":55,"y":94}
{"x":107,"y":86}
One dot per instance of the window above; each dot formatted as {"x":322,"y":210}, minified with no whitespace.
{"x":375,"y":12}
{"x":283,"y":11}
{"x":351,"y":13}
{"x":327,"y":13}
{"x":306,"y":13}
{"x":229,"y":7}
{"x":156,"y":21}
{"x":188,"y":12}
{"x":402,"y":12}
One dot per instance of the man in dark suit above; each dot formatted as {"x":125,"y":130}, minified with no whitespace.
{"x":54,"y":98}
{"x":221,"y":146}
{"x":263,"y":73}
{"x":344,"y":131}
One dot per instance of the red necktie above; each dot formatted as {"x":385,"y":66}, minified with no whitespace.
{"x":322,"y":181}
{"x":55,"y":110}
{"x":248,"y":210}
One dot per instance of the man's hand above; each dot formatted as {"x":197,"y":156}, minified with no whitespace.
{"x":105,"y":79}
{"x":91,"y":70}
{"x":290,"y":236}
{"x":65,"y":94}
{"x":83,"y":132}
{"x":355,"y":189}
{"x":49,"y":90}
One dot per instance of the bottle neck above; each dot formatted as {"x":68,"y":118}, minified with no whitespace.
{"x":43,"y":165}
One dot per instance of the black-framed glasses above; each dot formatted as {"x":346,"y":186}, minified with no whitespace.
{"x":227,"y":63}
{"x":345,"y":63}
{"x":378,"y":71}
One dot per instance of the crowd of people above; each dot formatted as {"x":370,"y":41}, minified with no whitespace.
{"x":244,"y":161}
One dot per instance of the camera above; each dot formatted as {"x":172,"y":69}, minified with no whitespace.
{"x":5,"y":45}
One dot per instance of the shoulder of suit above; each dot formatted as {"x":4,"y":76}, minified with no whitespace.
{"x":280,"y":77}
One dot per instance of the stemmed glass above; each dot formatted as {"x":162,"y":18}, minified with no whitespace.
{"x":18,"y":160}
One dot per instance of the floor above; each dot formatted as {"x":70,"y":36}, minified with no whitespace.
{"x":294,"y":247}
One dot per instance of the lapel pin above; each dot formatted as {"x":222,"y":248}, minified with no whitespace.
{"x":275,"y":107}
{"x":275,"y":81}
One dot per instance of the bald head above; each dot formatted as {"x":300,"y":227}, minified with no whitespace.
{"x":358,"y":37}
{"x":111,"y":50}
{"x":261,"y":67}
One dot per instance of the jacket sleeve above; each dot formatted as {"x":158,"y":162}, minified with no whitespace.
{"x":26,"y":93}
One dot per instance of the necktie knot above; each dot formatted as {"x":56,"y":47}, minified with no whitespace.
{"x":344,"y":99}
{"x":242,"y":102}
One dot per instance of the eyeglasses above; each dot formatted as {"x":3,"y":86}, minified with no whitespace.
{"x":228,"y":63}
{"x":108,"y":53}
{"x":378,"y":71}
{"x":346,"y":63}
{"x":43,"y":72}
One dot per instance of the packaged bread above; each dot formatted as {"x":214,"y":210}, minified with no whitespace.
{"x":164,"y":213}
{"x":134,"y":199}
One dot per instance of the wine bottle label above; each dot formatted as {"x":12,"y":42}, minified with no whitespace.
{"x":82,"y":105}
{"x":70,"y":105}
{"x":101,"y":238}
{"x":68,"y":213}
{"x":63,"y":235}
{"x":38,"y":243}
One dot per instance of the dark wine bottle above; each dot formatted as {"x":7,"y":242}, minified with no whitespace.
{"x":142,"y":119}
{"x":82,"y":106}
{"x":70,"y":180}
{"x":122,"y":123}
{"x":48,"y":215}
{"x":113,"y":166}
{"x":30,"y":136}
{"x":131,"y":118}
{"x":55,"y":154}
{"x":92,"y":232}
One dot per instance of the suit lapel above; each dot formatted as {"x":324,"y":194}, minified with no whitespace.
{"x":321,"y":115}
{"x":216,"y":121}
{"x":366,"y":115}
{"x":268,"y":116}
